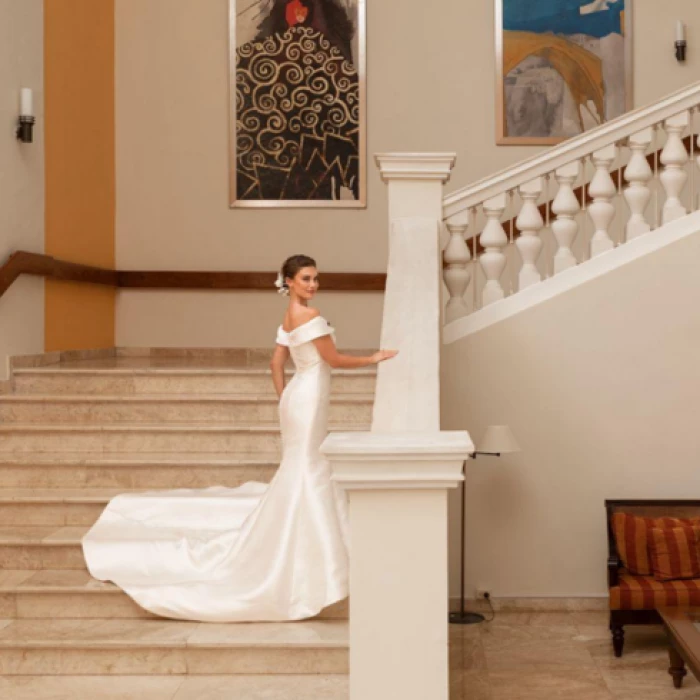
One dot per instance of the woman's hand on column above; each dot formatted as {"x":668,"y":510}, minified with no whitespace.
{"x":382,"y":355}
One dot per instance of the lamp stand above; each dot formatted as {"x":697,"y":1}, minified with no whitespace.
{"x":462,"y":617}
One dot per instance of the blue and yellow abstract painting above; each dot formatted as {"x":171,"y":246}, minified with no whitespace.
{"x":564,"y":67}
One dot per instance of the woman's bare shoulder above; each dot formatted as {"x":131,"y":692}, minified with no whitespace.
{"x":296,"y":317}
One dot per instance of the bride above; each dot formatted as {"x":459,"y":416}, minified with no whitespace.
{"x":259,"y":552}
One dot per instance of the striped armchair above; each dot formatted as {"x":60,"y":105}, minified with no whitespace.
{"x":635,"y":593}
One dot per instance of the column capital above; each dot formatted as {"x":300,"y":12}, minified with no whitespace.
{"x":415,"y":166}
{"x":398,"y":461}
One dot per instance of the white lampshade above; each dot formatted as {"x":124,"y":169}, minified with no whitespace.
{"x":498,"y":439}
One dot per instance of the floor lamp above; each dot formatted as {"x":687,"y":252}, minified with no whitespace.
{"x":497,"y":440}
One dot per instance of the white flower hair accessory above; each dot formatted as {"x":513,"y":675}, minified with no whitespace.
{"x":282,"y":288}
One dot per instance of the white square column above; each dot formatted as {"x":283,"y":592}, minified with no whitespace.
{"x":397,"y":490}
{"x":408,"y":387}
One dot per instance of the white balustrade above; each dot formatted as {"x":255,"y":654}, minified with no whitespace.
{"x":638,"y":173}
{"x":457,"y":274}
{"x":602,"y":189}
{"x":493,"y":239}
{"x":674,"y":157}
{"x":530,"y":223}
{"x":566,"y":207}
{"x":648,"y":171}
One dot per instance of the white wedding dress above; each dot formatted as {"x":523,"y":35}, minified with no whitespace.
{"x":259,"y":552}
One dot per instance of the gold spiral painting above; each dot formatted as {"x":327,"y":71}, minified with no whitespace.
{"x":298,"y":108}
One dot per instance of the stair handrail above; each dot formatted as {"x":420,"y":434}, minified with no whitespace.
{"x":571,"y":150}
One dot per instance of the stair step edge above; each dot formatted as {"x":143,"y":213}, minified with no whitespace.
{"x":172,"y":398}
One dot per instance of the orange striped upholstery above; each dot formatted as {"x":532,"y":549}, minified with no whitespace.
{"x":674,"y":553}
{"x":646,"y":593}
{"x":632,"y":538}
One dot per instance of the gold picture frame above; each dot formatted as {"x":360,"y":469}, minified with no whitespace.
{"x":520,"y":45}
{"x":297,"y":104}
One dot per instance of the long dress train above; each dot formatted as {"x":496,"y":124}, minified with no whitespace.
{"x":259,"y":552}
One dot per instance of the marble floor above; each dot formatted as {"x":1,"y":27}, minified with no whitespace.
{"x":538,"y":656}
{"x":518,"y":656}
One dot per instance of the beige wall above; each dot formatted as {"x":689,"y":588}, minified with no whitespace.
{"x":21,"y":175}
{"x":240,"y":319}
{"x":430,"y":88}
{"x":601,"y":387}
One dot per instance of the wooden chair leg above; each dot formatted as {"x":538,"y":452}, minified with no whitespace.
{"x":618,"y":639}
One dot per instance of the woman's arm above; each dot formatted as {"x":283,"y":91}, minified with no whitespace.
{"x":279,"y":358}
{"x":329,"y":353}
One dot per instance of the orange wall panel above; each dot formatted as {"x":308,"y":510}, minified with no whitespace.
{"x":80,"y":166}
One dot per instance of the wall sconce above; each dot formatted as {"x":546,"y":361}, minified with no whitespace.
{"x":498,"y":440}
{"x":25,"y":124}
{"x":680,"y":41}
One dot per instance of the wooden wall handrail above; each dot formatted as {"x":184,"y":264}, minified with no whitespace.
{"x":38,"y":264}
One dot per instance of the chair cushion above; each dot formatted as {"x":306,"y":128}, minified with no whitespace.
{"x":646,"y":593}
{"x":632,"y":538}
{"x":674,"y":553}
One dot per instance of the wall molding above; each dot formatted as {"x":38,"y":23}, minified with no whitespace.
{"x":592,"y":603}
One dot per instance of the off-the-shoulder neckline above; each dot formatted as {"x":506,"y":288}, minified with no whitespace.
{"x":301,"y":325}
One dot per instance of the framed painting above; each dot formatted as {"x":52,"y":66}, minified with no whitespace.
{"x":297,"y":103}
{"x":562,"y":67}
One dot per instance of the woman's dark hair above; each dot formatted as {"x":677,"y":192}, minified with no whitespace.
{"x":293,"y":264}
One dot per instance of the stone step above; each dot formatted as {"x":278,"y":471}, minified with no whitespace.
{"x":176,"y":687}
{"x":160,"y":647}
{"x":35,"y":547}
{"x":145,"y":437}
{"x":194,"y":408}
{"x":168,"y":380}
{"x":56,"y":507}
{"x":74,"y":594}
{"x":125,"y":471}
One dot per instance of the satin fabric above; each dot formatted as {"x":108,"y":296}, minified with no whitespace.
{"x":258,"y":552}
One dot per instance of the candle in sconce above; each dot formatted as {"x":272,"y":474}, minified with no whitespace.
{"x":680,"y":31}
{"x":26,"y":107}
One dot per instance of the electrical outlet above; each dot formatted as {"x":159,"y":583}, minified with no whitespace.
{"x":482,"y":593}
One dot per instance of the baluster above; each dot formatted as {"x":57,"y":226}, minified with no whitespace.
{"x":585,"y":197}
{"x":493,"y":239}
{"x":693,"y":204}
{"x":638,"y":173}
{"x":674,"y":157}
{"x":456,"y":273}
{"x":697,"y":142}
{"x":530,"y":223}
{"x":601,"y":209}
{"x":655,"y":149}
{"x":510,"y":264}
{"x":547,"y":230}
{"x":566,"y":207}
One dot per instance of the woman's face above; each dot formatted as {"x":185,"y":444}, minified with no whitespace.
{"x":305,"y":283}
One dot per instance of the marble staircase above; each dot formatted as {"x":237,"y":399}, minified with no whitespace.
{"x":75,"y":433}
